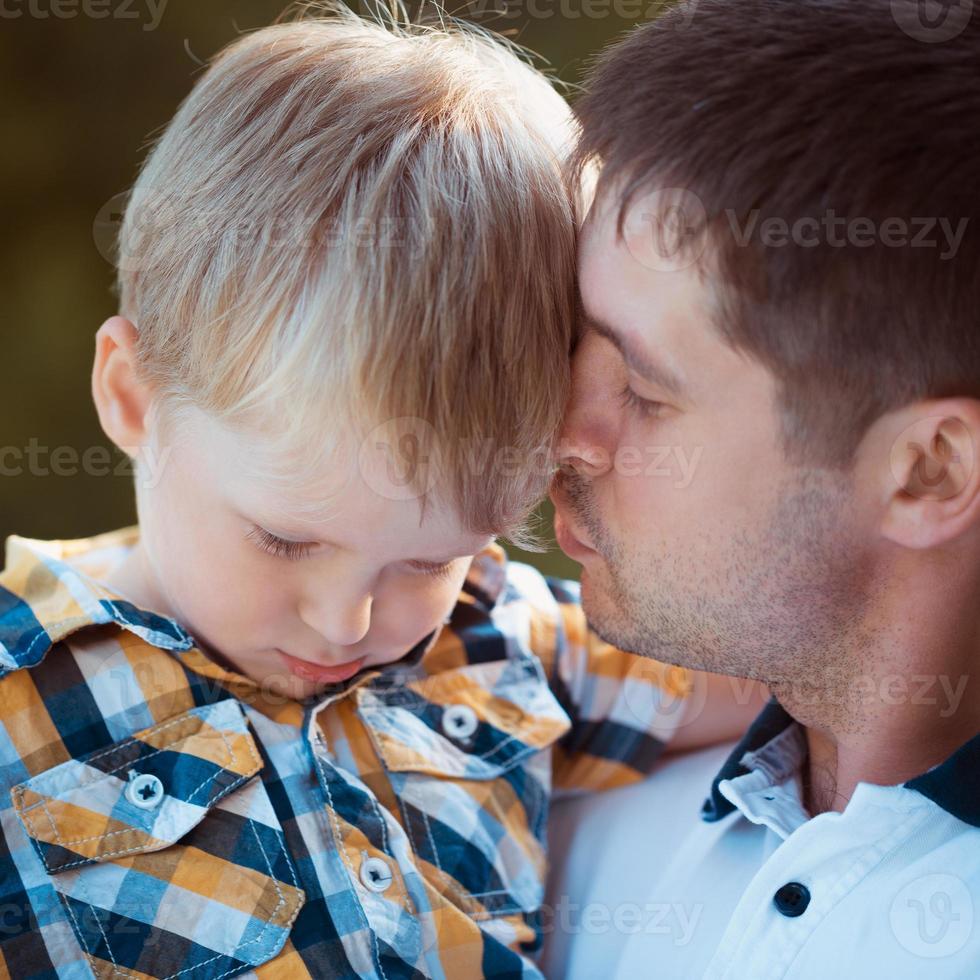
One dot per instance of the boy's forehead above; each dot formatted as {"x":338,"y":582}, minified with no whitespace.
{"x":360,"y":519}
{"x":348,"y":494}
{"x":349,"y":488}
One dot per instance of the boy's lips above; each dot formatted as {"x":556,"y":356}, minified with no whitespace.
{"x":321,"y":673}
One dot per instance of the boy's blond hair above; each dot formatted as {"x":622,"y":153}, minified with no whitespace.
{"x":350,"y":221}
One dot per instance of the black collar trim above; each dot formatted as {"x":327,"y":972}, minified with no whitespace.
{"x":953,"y":785}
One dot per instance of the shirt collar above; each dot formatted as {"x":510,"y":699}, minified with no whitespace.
{"x":487,"y":576}
{"x":953,"y":785}
{"x":45,"y":596}
{"x":51,"y":589}
{"x":772,"y":721}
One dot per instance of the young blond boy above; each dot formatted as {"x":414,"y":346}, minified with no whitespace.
{"x":289,"y":725}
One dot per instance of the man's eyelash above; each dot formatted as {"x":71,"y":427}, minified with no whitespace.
{"x":646,"y":408}
{"x":278,"y":547}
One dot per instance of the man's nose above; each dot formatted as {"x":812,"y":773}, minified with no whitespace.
{"x":582,"y":457}
{"x":584,"y":445}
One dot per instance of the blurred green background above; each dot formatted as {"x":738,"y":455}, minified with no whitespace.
{"x":85,"y":83}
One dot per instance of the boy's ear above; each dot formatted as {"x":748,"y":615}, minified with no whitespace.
{"x":935,"y":494}
{"x":121,"y":399}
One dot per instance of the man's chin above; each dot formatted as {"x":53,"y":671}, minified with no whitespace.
{"x":599,"y":606}
{"x":608,"y":614}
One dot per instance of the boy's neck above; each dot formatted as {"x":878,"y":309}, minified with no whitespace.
{"x":133,"y":580}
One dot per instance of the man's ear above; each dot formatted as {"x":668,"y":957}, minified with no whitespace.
{"x":121,"y":398}
{"x":934,"y":494}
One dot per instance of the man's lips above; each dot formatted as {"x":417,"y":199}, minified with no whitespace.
{"x":321,"y":673}
{"x":567,"y":540}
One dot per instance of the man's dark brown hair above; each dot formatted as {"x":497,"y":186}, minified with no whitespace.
{"x":814,"y":111}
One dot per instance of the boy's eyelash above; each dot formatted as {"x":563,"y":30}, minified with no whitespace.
{"x":278,"y":547}
{"x":294,"y":550}
{"x":436,"y":571}
{"x":645,"y":407}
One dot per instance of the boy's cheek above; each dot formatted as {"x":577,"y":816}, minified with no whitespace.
{"x":398,"y":627}
{"x":234,"y":615}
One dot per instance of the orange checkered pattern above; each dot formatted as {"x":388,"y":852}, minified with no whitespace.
{"x":164,"y":816}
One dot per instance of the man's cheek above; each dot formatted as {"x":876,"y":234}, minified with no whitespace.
{"x":638,"y":504}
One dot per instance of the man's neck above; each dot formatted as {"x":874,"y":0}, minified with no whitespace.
{"x":914,"y":700}
{"x":836,"y":765}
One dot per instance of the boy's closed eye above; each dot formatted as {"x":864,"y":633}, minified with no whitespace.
{"x":280,"y":547}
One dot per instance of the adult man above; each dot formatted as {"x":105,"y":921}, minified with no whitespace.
{"x":779,"y":281}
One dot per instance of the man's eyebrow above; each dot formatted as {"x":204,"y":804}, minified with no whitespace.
{"x":636,"y":360}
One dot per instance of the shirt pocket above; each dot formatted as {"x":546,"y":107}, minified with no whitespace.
{"x":465,"y":751}
{"x":165,"y":849}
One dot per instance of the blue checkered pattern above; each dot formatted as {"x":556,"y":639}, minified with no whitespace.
{"x":369,"y":832}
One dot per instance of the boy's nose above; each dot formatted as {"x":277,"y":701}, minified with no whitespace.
{"x":341,"y":623}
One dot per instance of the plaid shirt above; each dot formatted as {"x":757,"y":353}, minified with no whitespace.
{"x":166,"y":817}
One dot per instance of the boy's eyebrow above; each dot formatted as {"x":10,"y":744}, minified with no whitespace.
{"x":636,"y":359}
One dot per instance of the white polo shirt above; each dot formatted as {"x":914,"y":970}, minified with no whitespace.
{"x":754,"y":888}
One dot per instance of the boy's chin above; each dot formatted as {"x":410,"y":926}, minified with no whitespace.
{"x":279,"y":686}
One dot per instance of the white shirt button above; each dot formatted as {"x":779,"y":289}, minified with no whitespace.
{"x":375,"y":874}
{"x":144,"y":790}
{"x":459,"y":721}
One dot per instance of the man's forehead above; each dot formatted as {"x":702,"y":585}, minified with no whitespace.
{"x":661,"y":316}
{"x":668,"y":316}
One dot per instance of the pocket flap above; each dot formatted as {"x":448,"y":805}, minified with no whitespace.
{"x":475,"y":722}
{"x":95,"y":808}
